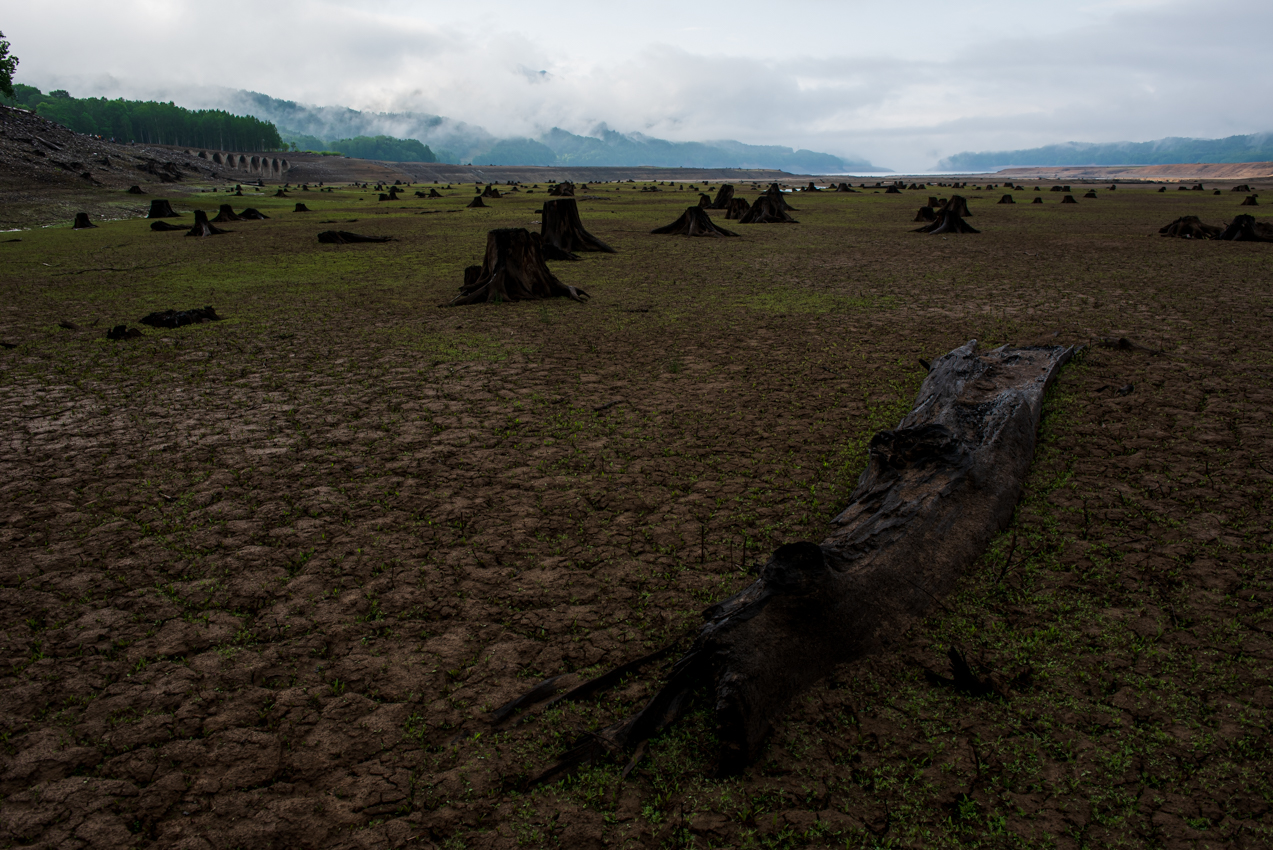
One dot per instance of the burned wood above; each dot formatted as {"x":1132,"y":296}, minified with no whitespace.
{"x":935,"y":492}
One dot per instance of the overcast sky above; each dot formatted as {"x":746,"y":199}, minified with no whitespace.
{"x":901,"y":84}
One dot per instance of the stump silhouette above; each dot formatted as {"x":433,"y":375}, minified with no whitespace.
{"x":160,"y":208}
{"x":812,"y":188}
{"x":202,"y":227}
{"x":512,"y":270}
{"x":82,"y":222}
{"x":1007,"y":199}
{"x":957,"y":205}
{"x":775,"y":191}
{"x":948,"y":220}
{"x":925,"y":214}
{"x":135,"y":190}
{"x":163,"y":226}
{"x":845,"y":187}
{"x":225,"y":214}
{"x":301,"y":208}
{"x":694,"y":222}
{"x":1241,"y":187}
{"x":767,"y":209}
{"x":1249,"y":201}
{"x":476,"y":202}
{"x":704,"y":201}
{"x":490,"y":192}
{"x":252,"y":214}
{"x":935,"y":492}
{"x":1091,"y":193}
{"x":281,"y":194}
{"x":933,"y":202}
{"x":1163,"y":189}
{"x":561,"y":227}
{"x":724,"y":197}
{"x":1037,"y":201}
{"x":564,"y":190}
{"x":892,"y":190}
{"x":1068,"y":199}
{"x":737,"y":209}
{"x":1191,"y":227}
{"x":344,"y":237}
{"x":1245,"y":228}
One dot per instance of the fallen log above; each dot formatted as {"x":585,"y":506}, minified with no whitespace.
{"x":936,"y":490}
{"x":344,"y":237}
{"x":694,"y":222}
{"x":165,"y":226}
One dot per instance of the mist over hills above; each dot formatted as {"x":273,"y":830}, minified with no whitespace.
{"x":1257,"y":147}
{"x":454,"y":141}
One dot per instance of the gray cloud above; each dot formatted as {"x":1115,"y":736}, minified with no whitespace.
{"x":902,"y":86}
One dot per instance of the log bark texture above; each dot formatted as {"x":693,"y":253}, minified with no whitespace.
{"x":935,"y":492}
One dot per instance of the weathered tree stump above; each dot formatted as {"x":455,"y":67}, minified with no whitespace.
{"x":491,"y":192}
{"x":1068,"y":199}
{"x":925,"y":214}
{"x":281,"y":194}
{"x":202,"y":227}
{"x":936,"y":490}
{"x":892,"y":190}
{"x":1163,"y":189}
{"x":513,"y":270}
{"x":933,"y":202}
{"x":476,"y":203}
{"x":1249,"y":201}
{"x":135,"y":190}
{"x":1191,"y":227}
{"x":811,"y":187}
{"x":947,"y":220}
{"x":1091,"y":194}
{"x":1037,"y":200}
{"x":956,"y":204}
{"x":344,"y":237}
{"x":122,"y":332}
{"x":694,"y":222}
{"x":564,"y":190}
{"x":226,"y":213}
{"x":301,"y":208}
{"x":1245,"y":228}
{"x":704,"y":201}
{"x":737,"y":209}
{"x":775,"y":191}
{"x":724,"y":196}
{"x":767,"y":209}
{"x":561,"y":227}
{"x":845,"y":187}
{"x":252,"y":214}
{"x":1007,"y":199}
{"x":160,"y":208}
{"x":82,"y":222}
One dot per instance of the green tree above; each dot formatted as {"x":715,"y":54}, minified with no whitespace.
{"x":8,"y":65}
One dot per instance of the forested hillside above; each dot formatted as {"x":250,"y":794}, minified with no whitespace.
{"x":149,"y":122}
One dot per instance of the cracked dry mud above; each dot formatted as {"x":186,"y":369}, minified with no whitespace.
{"x":259,"y":577}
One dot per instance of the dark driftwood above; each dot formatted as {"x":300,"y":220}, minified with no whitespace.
{"x":561,"y":227}
{"x":82,"y":222}
{"x":935,"y":492}
{"x":947,"y":221}
{"x":767,"y":209}
{"x":1245,"y":228}
{"x":1191,"y":227}
{"x":694,"y":222}
{"x":344,"y":237}
{"x":724,"y":197}
{"x":160,"y":208}
{"x":513,"y":270}
{"x":202,"y":227}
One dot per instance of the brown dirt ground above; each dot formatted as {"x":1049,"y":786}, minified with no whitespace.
{"x":258,"y":578}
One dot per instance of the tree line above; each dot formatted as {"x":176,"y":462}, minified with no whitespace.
{"x":149,"y":122}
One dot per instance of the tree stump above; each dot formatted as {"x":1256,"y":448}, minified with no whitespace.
{"x":704,"y":201}
{"x":1007,"y":199}
{"x":1068,"y":199}
{"x":1091,"y":194}
{"x":252,"y":214}
{"x":225,"y":214}
{"x":344,"y":237}
{"x":490,"y":192}
{"x":476,"y":202}
{"x":561,"y":227}
{"x":301,"y":208}
{"x":1037,"y":201}
{"x":811,"y":187}
{"x":724,"y":196}
{"x":513,"y":270}
{"x":160,"y":208}
{"x":281,"y":194}
{"x":1245,"y":228}
{"x":135,"y":190}
{"x":845,"y":187}
{"x":202,"y":227}
{"x":947,"y":220}
{"x":767,"y":209}
{"x":565,"y":190}
{"x":1163,"y":189}
{"x":737,"y":209}
{"x":936,"y":490}
{"x":1190,"y":227}
{"x":925,"y":214}
{"x":1249,"y":201}
{"x":775,"y":191}
{"x":82,"y":222}
{"x":956,"y":204}
{"x":892,"y":190}
{"x":694,"y":222}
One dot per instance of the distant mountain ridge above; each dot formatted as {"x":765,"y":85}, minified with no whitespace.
{"x":1257,"y":147}
{"x":456,"y":142}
